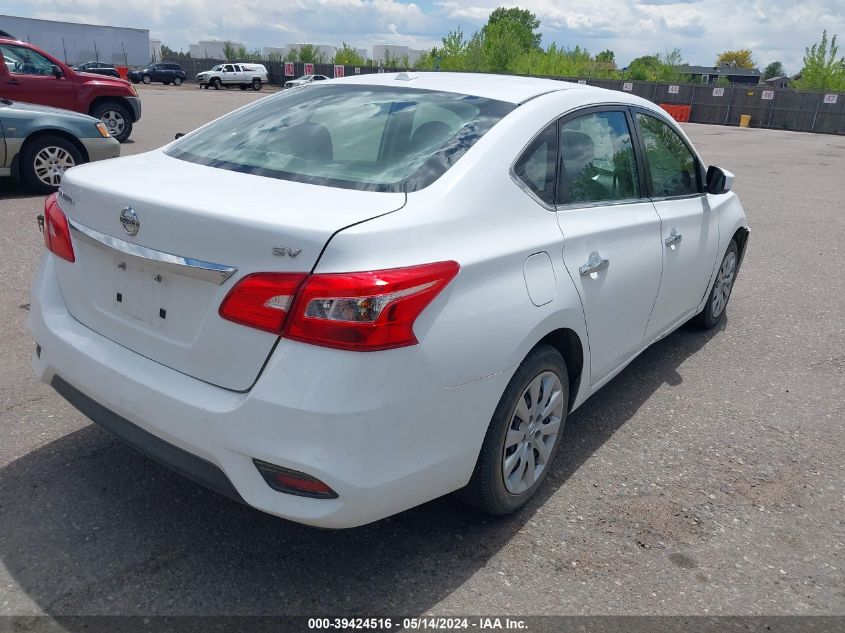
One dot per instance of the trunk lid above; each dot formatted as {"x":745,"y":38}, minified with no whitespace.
{"x":199,"y":231}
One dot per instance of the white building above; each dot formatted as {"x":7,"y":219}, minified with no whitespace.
{"x":274,"y":51}
{"x":155,"y":50}
{"x":381,"y":52}
{"x":77,"y":43}
{"x":213,"y":49}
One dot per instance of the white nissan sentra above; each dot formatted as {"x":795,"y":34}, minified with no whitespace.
{"x":340,"y":302}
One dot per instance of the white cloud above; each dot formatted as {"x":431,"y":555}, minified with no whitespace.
{"x":773,"y":29}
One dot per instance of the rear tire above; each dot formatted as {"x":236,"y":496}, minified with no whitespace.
{"x":177,"y":81}
{"x":256,"y":84}
{"x":243,"y":86}
{"x":717,"y":303}
{"x":116,"y":117}
{"x":166,"y":83}
{"x":45,"y":159}
{"x":524,"y":435}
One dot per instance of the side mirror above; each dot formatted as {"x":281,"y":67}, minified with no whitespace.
{"x":58,"y":73}
{"x":178,"y":135}
{"x":719,"y":180}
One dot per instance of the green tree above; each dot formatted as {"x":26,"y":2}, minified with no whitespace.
{"x":741,"y":58}
{"x":503,"y":45}
{"x":607,"y":57}
{"x":524,"y":22}
{"x":229,"y":51}
{"x":645,"y":68}
{"x":169,"y":53}
{"x":775,"y":69}
{"x":822,"y":69}
{"x":347,"y":55}
{"x":306,"y":53}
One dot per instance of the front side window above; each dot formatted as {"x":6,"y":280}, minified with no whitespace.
{"x":536,"y":167}
{"x":597,"y":160}
{"x":375,"y":138}
{"x":671,"y":164}
{"x":25,"y":61}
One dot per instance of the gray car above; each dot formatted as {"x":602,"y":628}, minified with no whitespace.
{"x":38,"y":144}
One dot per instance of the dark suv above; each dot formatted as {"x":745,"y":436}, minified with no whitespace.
{"x":98,"y":68}
{"x":163,"y":72}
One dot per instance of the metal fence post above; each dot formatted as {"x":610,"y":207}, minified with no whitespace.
{"x":772,"y":108}
{"x":816,"y":113}
{"x":730,"y":103}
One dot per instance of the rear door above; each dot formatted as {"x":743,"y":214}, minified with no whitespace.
{"x":611,"y":233}
{"x":688,"y":226}
{"x":29,"y":77}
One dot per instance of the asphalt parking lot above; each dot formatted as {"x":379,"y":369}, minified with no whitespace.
{"x":707,"y":478}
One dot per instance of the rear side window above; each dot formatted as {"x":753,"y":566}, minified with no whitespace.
{"x":536,"y":166}
{"x":671,"y":164}
{"x":597,"y":159}
{"x":375,"y":138}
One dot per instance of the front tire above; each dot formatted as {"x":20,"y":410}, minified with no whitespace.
{"x":44,"y":161}
{"x":116,"y":117}
{"x":714,"y":310}
{"x":216,"y":83}
{"x":524,"y":435}
{"x":146,"y":79}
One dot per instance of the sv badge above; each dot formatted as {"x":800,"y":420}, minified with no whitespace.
{"x":283,"y":251}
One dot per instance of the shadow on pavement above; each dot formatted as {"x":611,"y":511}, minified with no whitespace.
{"x":89,"y":526}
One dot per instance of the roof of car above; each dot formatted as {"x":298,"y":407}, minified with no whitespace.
{"x":500,"y":87}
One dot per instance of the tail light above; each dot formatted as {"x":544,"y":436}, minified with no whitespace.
{"x":261,"y":300}
{"x":363,"y":311}
{"x":366,"y":311}
{"x":56,"y":230}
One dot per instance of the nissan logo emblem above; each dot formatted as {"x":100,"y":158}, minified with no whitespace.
{"x":129,"y":220}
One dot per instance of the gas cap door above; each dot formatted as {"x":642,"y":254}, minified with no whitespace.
{"x":540,"y":278}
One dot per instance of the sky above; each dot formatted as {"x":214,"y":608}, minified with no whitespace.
{"x":773,"y":29}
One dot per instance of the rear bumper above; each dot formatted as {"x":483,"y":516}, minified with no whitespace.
{"x":378,"y":428}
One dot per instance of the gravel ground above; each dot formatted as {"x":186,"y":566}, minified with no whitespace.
{"x":706,"y":479}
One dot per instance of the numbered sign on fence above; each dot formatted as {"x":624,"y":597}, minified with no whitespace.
{"x":673,"y":90}
{"x":357,"y":70}
{"x":582,"y":82}
{"x":768,"y":95}
{"x":718,"y":92}
{"x":338,"y":70}
{"x":830,"y":98}
{"x":288,"y":69}
{"x":627,"y":86}
{"x":309,"y":69}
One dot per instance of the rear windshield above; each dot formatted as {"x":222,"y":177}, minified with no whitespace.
{"x":375,"y":138}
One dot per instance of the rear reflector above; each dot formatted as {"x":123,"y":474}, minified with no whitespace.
{"x":293,"y":482}
{"x":366,"y":311}
{"x":56,"y":230}
{"x":261,"y":300}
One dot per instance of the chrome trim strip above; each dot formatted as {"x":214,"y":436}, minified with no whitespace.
{"x":185,"y":266}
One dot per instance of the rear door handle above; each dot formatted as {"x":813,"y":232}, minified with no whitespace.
{"x":595,"y":264}
{"x":674,"y":238}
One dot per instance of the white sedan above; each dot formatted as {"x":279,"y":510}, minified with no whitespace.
{"x":304,"y":80}
{"x":382,"y":289}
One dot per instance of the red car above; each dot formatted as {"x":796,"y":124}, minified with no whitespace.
{"x":31,"y":75}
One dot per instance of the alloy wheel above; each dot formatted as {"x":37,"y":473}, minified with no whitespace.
{"x":51,"y":163}
{"x":531,"y":436}
{"x":114,"y":121}
{"x":723,"y":284}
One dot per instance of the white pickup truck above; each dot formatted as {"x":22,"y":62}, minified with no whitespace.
{"x":242,"y":75}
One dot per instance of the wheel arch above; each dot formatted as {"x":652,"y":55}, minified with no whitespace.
{"x":34,"y":136}
{"x":111,"y":99}
{"x":569,"y":344}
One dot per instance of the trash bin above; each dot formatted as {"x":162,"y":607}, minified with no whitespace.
{"x":744,"y":120}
